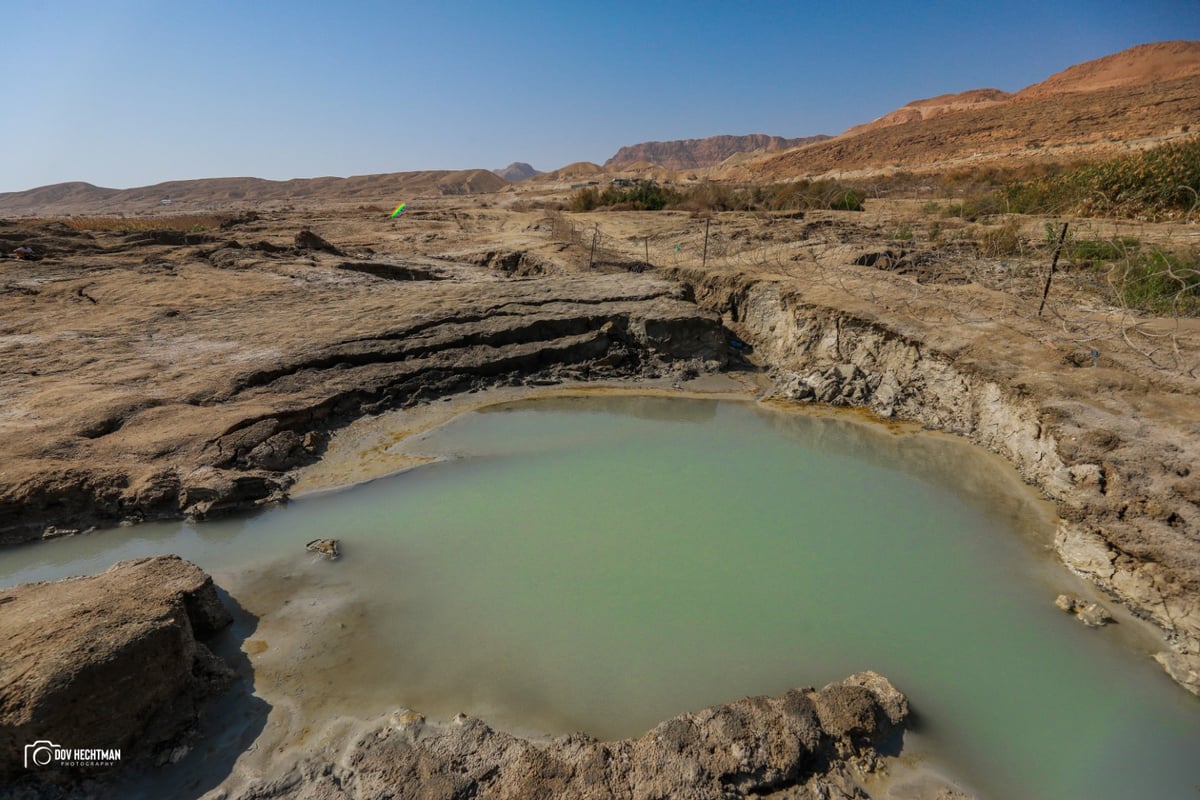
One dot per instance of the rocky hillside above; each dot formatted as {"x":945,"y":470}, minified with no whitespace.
{"x":1138,"y":66}
{"x":932,"y":107}
{"x":697,"y":153}
{"x":517,"y":171}
{"x":385,"y":189}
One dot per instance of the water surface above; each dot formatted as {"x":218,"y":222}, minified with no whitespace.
{"x":603,"y":564}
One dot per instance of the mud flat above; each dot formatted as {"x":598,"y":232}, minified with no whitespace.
{"x":147,"y":380}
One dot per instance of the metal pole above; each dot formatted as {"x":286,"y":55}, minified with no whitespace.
{"x":1053,"y":263}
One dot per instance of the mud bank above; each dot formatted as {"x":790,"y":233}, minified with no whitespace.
{"x":826,"y":743}
{"x":1120,"y":478}
{"x":161,"y":379}
{"x":114,"y":661}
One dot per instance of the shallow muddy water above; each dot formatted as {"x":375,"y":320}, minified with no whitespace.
{"x":601,"y":564}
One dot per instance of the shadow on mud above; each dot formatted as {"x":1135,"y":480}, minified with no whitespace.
{"x":228,"y":725}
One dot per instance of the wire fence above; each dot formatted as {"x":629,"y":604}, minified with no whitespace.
{"x":1119,"y":287}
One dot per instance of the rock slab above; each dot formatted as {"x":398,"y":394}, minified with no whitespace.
{"x":108,"y":661}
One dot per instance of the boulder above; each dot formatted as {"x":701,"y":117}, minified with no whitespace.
{"x":111,"y":661}
{"x":1091,"y":614}
{"x":324,"y":547}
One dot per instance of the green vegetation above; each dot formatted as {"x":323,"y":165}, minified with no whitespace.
{"x":1158,"y":281}
{"x":706,"y":197}
{"x":1145,"y":278}
{"x":642,"y":196}
{"x":1163,"y":183}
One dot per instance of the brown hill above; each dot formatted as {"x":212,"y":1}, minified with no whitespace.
{"x":1135,"y":98}
{"x":697,"y":153}
{"x":1137,"y":66}
{"x":573,"y":171}
{"x":84,"y":198}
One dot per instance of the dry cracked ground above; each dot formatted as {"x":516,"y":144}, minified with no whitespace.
{"x":164,"y":373}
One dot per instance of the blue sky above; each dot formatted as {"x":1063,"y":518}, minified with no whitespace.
{"x":131,"y":92}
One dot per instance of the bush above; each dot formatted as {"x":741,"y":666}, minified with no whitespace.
{"x":1154,"y":280}
{"x":1163,"y":183}
{"x":710,"y":196}
{"x":1004,"y":240}
{"x":585,"y":199}
{"x":847,"y":200}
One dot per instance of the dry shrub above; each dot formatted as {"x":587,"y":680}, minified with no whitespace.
{"x":181,"y":222}
{"x":1002,"y":240}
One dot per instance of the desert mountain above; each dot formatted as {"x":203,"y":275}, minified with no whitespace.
{"x":1146,"y":94}
{"x":517,"y":171}
{"x":386,"y":189}
{"x":696,"y":153}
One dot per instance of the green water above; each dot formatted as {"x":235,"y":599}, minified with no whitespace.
{"x":601,"y":565}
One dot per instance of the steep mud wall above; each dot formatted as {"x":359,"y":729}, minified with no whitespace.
{"x":1126,"y":505}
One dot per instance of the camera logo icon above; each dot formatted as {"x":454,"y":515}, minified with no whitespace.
{"x":40,"y":753}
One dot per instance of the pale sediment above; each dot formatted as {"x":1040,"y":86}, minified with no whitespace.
{"x":826,"y":743}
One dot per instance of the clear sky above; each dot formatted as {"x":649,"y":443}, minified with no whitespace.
{"x":131,"y":92}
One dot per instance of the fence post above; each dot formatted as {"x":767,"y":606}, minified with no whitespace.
{"x":1053,"y":263}
{"x":704,"y":258}
{"x":592,"y":257}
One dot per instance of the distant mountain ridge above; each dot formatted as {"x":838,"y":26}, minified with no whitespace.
{"x":1140,"y":65}
{"x":1147,"y":94}
{"x":387,"y":189}
{"x":699,"y":153}
{"x":1144,"y":95}
{"x":518,"y":171}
